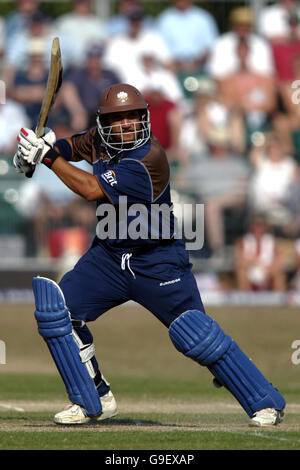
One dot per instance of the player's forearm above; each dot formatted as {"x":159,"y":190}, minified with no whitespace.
{"x":79,"y":181}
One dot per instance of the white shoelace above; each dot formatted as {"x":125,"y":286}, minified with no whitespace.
{"x":126,"y":258}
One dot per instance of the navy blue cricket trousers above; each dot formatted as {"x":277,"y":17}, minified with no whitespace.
{"x":159,"y":279}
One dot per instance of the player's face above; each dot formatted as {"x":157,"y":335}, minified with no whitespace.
{"x":125,"y":126}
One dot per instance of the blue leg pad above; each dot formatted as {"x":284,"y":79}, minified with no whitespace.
{"x":54,"y":325}
{"x":199,"y":337}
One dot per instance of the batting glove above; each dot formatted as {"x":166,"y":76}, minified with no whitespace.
{"x":20,"y":164}
{"x":33,"y":149}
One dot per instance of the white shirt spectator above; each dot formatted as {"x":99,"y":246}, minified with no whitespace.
{"x":224,"y":59}
{"x":271,"y":182}
{"x":12,"y":118}
{"x":82,"y":31}
{"x":273,"y":22}
{"x":124,"y":55}
{"x":163,"y":80}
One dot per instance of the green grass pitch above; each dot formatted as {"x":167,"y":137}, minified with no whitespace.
{"x":166,"y":402}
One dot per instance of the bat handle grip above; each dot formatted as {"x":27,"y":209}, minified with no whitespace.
{"x":38,"y":132}
{"x":30,"y":172}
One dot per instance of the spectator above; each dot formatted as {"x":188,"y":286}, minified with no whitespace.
{"x":120,"y":23}
{"x":219,"y":181}
{"x":295,"y":283}
{"x":166,"y":120}
{"x":250,"y":93}
{"x":292,"y":229}
{"x":189,"y":32}
{"x":224,"y":60}
{"x":273,"y":21}
{"x":50,"y":210}
{"x":259,"y":263}
{"x":2,"y":44}
{"x":273,"y":175}
{"x":83,"y":86}
{"x":80,"y":28}
{"x":12,"y":116}
{"x":287,"y":63}
{"x":28,"y":89}
{"x":212,"y":115}
{"x":285,"y":51}
{"x":152,"y":73}
{"x":124,"y":53}
{"x":18,"y":20}
{"x":17,"y":54}
{"x":29,"y":85}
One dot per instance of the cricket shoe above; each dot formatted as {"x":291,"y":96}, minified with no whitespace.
{"x":267,"y":417}
{"x":75,"y":414}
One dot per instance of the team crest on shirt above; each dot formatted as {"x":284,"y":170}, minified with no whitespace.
{"x":110,"y":177}
{"x":122,"y":96}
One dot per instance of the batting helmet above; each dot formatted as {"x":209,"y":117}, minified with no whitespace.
{"x":117,"y":99}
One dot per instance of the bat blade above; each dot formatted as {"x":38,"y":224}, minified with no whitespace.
{"x":53,"y":85}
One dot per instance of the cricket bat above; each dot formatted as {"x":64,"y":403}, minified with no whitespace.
{"x":53,"y":85}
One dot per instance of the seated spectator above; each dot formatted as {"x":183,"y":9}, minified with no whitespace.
{"x":82,"y":29}
{"x":273,"y":21}
{"x":83,"y":86}
{"x":152,"y":73}
{"x":287,"y":64}
{"x":291,"y":204}
{"x":12,"y":117}
{"x":2,"y":44}
{"x":258,"y":259}
{"x":124,"y":53}
{"x":28,"y":88}
{"x":211,"y":114}
{"x":120,"y":23}
{"x":286,"y":50}
{"x":219,"y":181}
{"x":17,"y":53}
{"x":166,"y":120}
{"x":19,"y":19}
{"x":295,"y":283}
{"x":29,"y":85}
{"x":191,"y":139}
{"x":224,"y":60}
{"x":250,"y":93}
{"x":189,"y":32}
{"x":52,"y":212}
{"x":274,"y":173}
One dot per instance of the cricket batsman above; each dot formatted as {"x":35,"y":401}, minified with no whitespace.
{"x":153,"y":270}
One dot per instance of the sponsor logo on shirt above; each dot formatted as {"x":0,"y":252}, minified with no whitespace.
{"x":110,"y":177}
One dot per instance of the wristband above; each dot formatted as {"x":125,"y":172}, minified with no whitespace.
{"x":50,"y":157}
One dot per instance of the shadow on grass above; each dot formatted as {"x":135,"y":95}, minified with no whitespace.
{"x":113,"y":423}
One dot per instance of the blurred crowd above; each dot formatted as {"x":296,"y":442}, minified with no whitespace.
{"x":225,"y":106}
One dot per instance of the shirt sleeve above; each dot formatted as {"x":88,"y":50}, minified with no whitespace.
{"x":82,"y":145}
{"x":131,"y":179}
